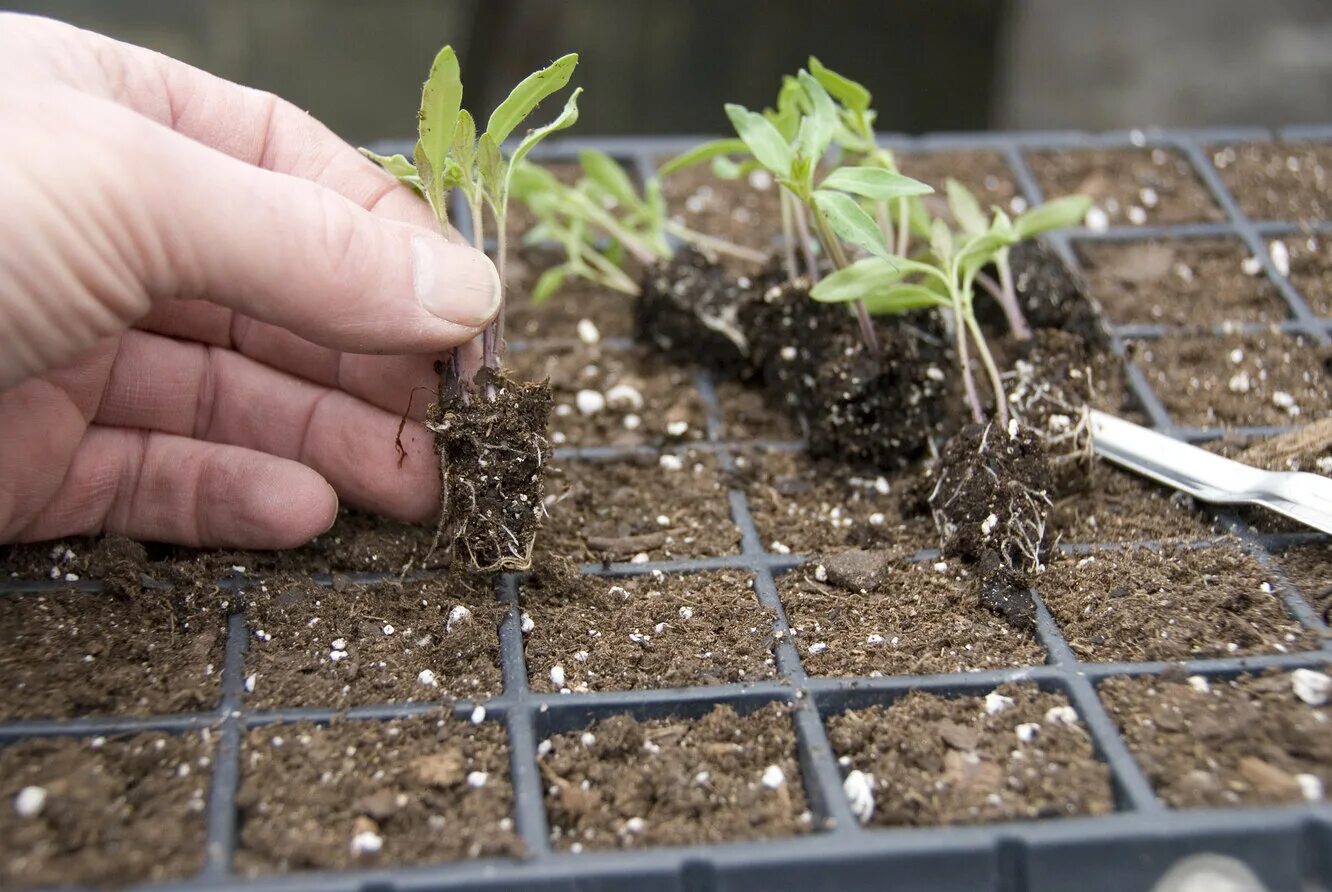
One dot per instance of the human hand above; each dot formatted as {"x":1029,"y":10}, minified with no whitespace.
{"x":192,"y":274}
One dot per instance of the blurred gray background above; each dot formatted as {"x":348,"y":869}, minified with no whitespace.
{"x":667,"y":67}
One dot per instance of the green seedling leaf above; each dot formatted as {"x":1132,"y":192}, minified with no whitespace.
{"x":528,"y":95}
{"x":902,"y":298}
{"x":399,"y":167}
{"x":603,"y":170}
{"x":567,"y":118}
{"x":763,"y":139}
{"x":817,"y":127}
{"x":873,"y":182}
{"x":464,"y":143}
{"x":533,"y":183}
{"x":846,"y":91}
{"x":941,"y":242}
{"x":549,"y":282}
{"x":489,"y":164}
{"x":441,"y":100}
{"x":966,"y":209}
{"x":790,"y":102}
{"x":850,"y":222}
{"x":919,"y":221}
{"x":717,"y":148}
{"x":859,"y":279}
{"x":1054,"y":214}
{"x":725,"y":169}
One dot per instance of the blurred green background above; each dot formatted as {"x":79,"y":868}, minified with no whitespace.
{"x":667,"y":67}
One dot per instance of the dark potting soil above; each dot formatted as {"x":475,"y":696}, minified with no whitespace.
{"x":745,"y":211}
{"x":1192,"y":283}
{"x":1267,"y":378}
{"x":1278,"y":180}
{"x":1309,"y":568}
{"x":589,"y":633}
{"x":747,"y":415}
{"x":1178,"y":603}
{"x":351,"y":645}
{"x":1311,"y":270}
{"x":1111,"y":506}
{"x":724,"y":777}
{"x":984,"y":173}
{"x":1051,"y":296}
{"x":1160,"y":183}
{"x":628,"y":397}
{"x":560,"y":316}
{"x":72,"y":653}
{"x":877,"y":411}
{"x":493,"y":450}
{"x":359,"y":794}
{"x":802,"y":505}
{"x":668,"y":506}
{"x":690,"y":312}
{"x":1218,"y":742}
{"x":911,"y":619}
{"x":117,"y":810}
{"x":988,"y":494}
{"x":1018,"y":753}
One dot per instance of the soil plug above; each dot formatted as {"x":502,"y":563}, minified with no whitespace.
{"x":490,"y":431}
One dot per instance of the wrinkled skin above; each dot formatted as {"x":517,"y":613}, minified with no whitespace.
{"x":211,"y":308}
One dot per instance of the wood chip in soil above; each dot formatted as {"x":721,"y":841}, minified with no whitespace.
{"x":117,"y":810}
{"x":1159,"y":183}
{"x":73,"y":653}
{"x":664,"y":507}
{"x":558,"y":317}
{"x":745,"y":211}
{"x":804,"y":506}
{"x":985,"y":173}
{"x":622,"y":783}
{"x":591,"y":633}
{"x":1018,"y":753}
{"x":428,"y":789}
{"x":918,"y":620}
{"x":1217,"y":742}
{"x":1112,"y":506}
{"x":1139,"y":605}
{"x":1311,"y":270}
{"x":1239,"y":380}
{"x":615,"y":397}
{"x":419,"y":640}
{"x":1278,"y":180}
{"x":1191,"y":283}
{"x":1309,"y":568}
{"x":747,"y":415}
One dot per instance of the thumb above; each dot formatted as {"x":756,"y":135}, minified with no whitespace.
{"x":153,"y":215}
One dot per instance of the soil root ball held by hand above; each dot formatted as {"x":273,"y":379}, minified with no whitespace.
{"x":492,"y":457}
{"x":989,"y":495}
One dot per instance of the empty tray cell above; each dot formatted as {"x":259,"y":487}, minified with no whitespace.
{"x":352,"y":645}
{"x":1173,"y":604}
{"x":1129,"y":186}
{"x":985,"y":174}
{"x":1194,"y":283}
{"x":615,"y":397}
{"x":801,"y":505}
{"x":1110,"y":505}
{"x":422,"y":790}
{"x":1278,"y":180}
{"x":748,"y":415}
{"x":1239,"y":380}
{"x":668,"y":506}
{"x":103,"y":811}
{"x":746,"y":211}
{"x":70,"y":653}
{"x":1309,"y":569}
{"x":874,"y":617}
{"x":1310,"y":269}
{"x":605,"y":634}
{"x":1016,"y":753}
{"x":624,"y":783}
{"x":1253,"y":740}
{"x":567,"y":314}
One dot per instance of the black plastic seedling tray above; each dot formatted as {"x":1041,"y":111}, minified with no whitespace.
{"x":1128,"y":849}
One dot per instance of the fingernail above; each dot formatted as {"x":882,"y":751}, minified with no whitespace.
{"x":454,"y":282}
